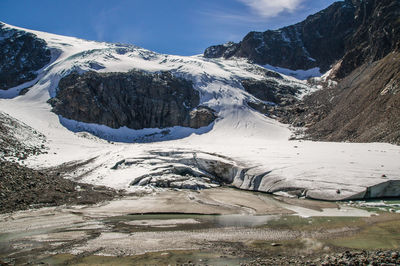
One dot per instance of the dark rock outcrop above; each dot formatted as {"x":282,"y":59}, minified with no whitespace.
{"x":272,"y":95}
{"x":21,"y":55}
{"x":318,"y":41}
{"x":271,"y":91}
{"x":226,"y":50}
{"x":135,"y":99}
{"x":201,"y":116}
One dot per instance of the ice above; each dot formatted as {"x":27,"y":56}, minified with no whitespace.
{"x":128,"y":135}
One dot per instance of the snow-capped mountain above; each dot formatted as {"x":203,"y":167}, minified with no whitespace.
{"x":213,"y":84}
{"x":222,"y":134}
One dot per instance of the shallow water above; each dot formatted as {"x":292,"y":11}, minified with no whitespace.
{"x":236,"y":220}
{"x":168,"y":221}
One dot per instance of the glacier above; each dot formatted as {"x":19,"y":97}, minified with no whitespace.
{"x":242,"y":148}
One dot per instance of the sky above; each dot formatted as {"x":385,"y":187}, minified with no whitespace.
{"x":181,"y":27}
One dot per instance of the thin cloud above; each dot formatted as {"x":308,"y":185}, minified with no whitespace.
{"x":101,"y":23}
{"x":232,"y":18}
{"x":272,"y":8}
{"x":258,"y":12}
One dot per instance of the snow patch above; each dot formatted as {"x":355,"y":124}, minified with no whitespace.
{"x":298,"y":74}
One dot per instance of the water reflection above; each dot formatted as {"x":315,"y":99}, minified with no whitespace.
{"x":237,"y":220}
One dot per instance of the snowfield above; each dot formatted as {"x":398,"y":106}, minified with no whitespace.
{"x":242,"y":147}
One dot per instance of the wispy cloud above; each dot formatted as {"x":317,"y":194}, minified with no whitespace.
{"x":232,"y":18}
{"x":272,"y":8}
{"x":101,"y":23}
{"x":255,"y":12}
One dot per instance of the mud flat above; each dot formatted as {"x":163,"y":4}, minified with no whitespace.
{"x":217,"y":226}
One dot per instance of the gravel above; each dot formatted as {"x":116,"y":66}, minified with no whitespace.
{"x":388,"y":257}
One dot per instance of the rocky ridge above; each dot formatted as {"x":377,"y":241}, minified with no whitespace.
{"x":21,"y":55}
{"x":349,"y":33}
{"x":318,"y":41}
{"x":271,"y":93}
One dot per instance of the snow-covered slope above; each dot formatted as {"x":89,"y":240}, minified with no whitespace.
{"x":242,"y":147}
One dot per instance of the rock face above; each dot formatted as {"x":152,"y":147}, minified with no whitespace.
{"x":318,"y":41}
{"x":135,"y":99}
{"x":21,"y":55}
{"x":273,"y":93}
{"x":377,"y":34}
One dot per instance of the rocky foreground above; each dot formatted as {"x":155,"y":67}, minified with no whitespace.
{"x":363,"y":257}
{"x":22,"y":188}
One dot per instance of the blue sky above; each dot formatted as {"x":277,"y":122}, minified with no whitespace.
{"x":183,"y":27}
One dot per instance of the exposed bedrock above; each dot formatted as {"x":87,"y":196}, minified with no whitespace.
{"x":21,"y":55}
{"x":377,"y":34}
{"x":135,"y":99}
{"x":200,"y":170}
{"x":273,"y":96}
{"x":271,"y":91}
